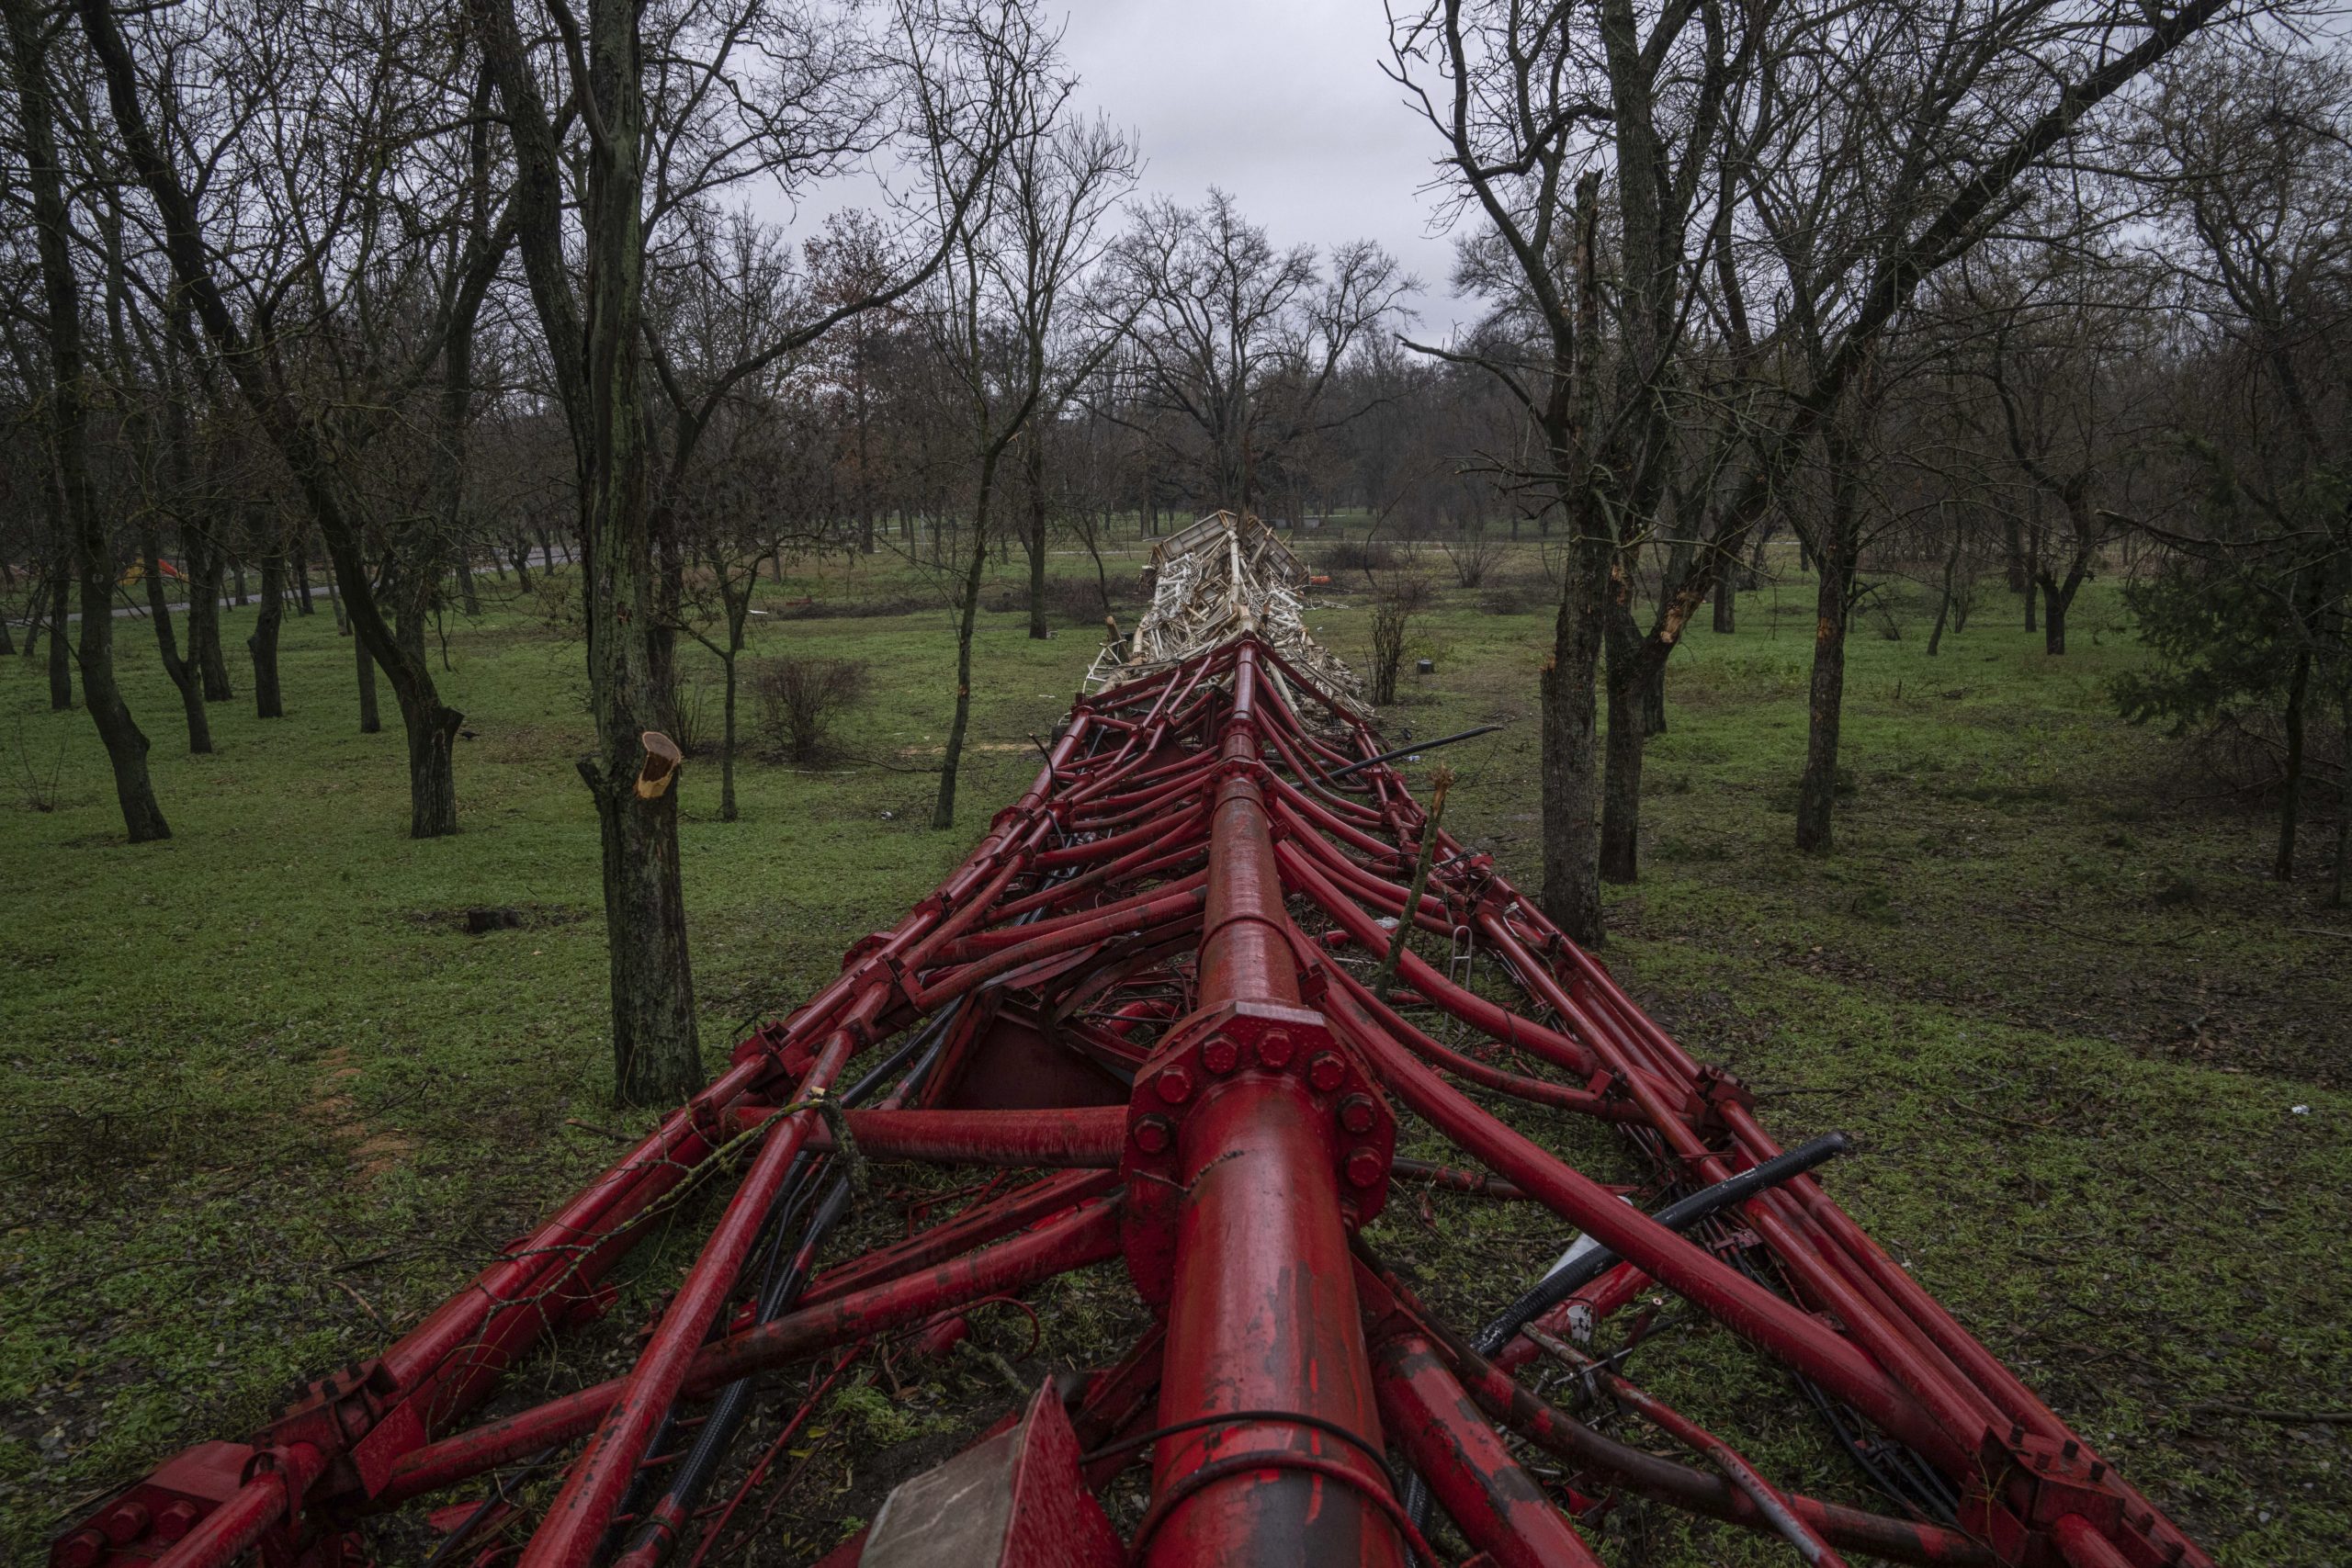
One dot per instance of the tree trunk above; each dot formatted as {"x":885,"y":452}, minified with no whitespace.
{"x":2054,"y":615}
{"x":2282,"y":869}
{"x":726,"y":812}
{"x":1571,"y":775}
{"x":1943,"y":606}
{"x":2033,"y":574}
{"x":943,"y":811}
{"x":657,"y":1053}
{"x":1036,"y":538}
{"x":268,"y":703}
{"x":61,"y":659}
{"x":2013,"y":559}
{"x":1621,"y":802}
{"x":466,"y":597}
{"x":74,"y":500}
{"x":1817,"y":789}
{"x":204,"y":613}
{"x":298,"y":553}
{"x":2342,"y":799}
{"x":370,"y":721}
{"x":237,"y":568}
{"x":185,"y":675}
{"x":1726,"y":602}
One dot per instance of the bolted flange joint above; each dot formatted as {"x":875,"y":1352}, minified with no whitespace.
{"x":1195,"y":1061}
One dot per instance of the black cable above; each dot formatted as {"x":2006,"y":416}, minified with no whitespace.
{"x":1680,"y":1215}
{"x":779,"y":1292}
{"x":1410,"y":750}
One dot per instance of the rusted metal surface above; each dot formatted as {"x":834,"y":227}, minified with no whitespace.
{"x":1152,"y":972}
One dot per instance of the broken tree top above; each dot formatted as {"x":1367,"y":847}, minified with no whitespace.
{"x":1148,"y":1000}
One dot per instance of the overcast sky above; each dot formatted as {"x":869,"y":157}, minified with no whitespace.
{"x":1281,"y":102}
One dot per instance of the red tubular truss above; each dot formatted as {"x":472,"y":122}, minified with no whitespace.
{"x":1143,"y":987}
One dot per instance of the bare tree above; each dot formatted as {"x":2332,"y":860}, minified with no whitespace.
{"x":36,"y":92}
{"x":358,"y":263}
{"x":1011,"y":325}
{"x":721,"y":93}
{"x":1237,"y":344}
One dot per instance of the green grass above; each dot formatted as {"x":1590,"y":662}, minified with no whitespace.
{"x":263,"y":1101}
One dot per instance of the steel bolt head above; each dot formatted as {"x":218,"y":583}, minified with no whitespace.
{"x":124,"y":1523}
{"x":176,"y":1519}
{"x":1327,"y":1072}
{"x":1220,"y":1055}
{"x":1365,"y":1167}
{"x":1154,"y":1134}
{"x":1275,"y":1048}
{"x":1356,"y":1113}
{"x":80,"y":1550}
{"x":1175,"y":1086}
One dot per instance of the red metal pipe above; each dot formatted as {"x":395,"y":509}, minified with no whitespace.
{"x":976,"y":1227}
{"x":1722,"y":1455}
{"x":1262,"y":1314}
{"x":1085,"y":1136}
{"x":1153,"y":911}
{"x":1086,"y":1235}
{"x":1898,"y":1541}
{"x":1786,"y":1332}
{"x":582,"y":1511}
{"x":979,"y":944}
{"x":1583,"y":1102}
{"x":1956,"y":1405}
{"x":1499,"y":1508}
{"x":223,"y":1535}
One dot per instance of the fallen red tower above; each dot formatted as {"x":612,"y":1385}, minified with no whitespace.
{"x":1149,"y":982}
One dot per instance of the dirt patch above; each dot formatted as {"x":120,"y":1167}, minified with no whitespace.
{"x":481,"y":920}
{"x":373,"y":1152}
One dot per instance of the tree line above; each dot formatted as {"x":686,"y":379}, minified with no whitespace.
{"x":415,"y":297}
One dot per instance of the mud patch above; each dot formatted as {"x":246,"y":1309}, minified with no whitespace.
{"x":481,"y":920}
{"x":373,"y":1152}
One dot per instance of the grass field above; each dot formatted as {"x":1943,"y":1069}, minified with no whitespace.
{"x":264,"y":1101}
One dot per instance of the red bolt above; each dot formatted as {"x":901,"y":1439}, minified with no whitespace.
{"x":1327,"y":1072}
{"x":124,"y":1522}
{"x":1153,"y":1134}
{"x":1220,"y":1055}
{"x":1175,"y":1086}
{"x":1275,"y":1048}
{"x":176,"y":1519}
{"x":80,"y":1550}
{"x":1365,"y":1167}
{"x":1355,"y":1114}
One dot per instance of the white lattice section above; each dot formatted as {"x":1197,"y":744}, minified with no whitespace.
{"x":1212,"y":580}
